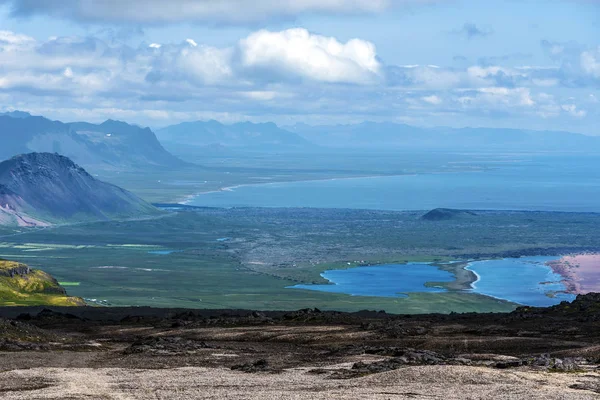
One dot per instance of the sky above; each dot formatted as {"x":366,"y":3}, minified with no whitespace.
{"x":531,"y":64}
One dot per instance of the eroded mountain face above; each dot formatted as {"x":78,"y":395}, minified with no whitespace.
{"x":37,"y":189}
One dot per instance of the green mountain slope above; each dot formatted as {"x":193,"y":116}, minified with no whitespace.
{"x":21,"y":286}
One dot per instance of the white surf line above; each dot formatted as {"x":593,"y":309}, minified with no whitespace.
{"x":191,"y":197}
{"x":473,"y":284}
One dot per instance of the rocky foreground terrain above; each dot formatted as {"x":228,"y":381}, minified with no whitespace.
{"x":144,"y":353}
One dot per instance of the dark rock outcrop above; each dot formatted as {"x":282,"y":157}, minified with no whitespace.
{"x":14,"y":269}
{"x":446,"y":214}
{"x":167,"y":345}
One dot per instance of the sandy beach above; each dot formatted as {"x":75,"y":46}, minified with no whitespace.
{"x":581,"y":272}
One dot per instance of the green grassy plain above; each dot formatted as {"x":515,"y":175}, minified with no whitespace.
{"x":270,"y":249}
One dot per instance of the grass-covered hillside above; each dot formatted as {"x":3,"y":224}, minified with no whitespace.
{"x":21,"y":285}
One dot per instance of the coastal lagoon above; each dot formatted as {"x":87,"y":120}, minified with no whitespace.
{"x":537,"y":184}
{"x":392,"y":280}
{"x":527,"y":280}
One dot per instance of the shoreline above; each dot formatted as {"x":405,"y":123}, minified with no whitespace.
{"x":188,"y":198}
{"x":580,"y":272}
{"x":569,"y":277}
{"x":473,"y":284}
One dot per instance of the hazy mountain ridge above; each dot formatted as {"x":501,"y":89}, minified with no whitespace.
{"x":16,"y":114}
{"x":112,"y":144}
{"x":385,"y":135}
{"x":238,"y":135}
{"x":38,"y":189}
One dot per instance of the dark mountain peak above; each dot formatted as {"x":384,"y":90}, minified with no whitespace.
{"x":446,"y":214}
{"x":41,"y":188}
{"x":32,"y":165}
{"x":41,"y":158}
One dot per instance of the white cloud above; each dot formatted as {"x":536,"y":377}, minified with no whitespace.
{"x":264,"y":95}
{"x":427,"y":77}
{"x":486,"y":72}
{"x":183,"y":64}
{"x":496,"y":98}
{"x":433,"y":99}
{"x":209,"y":65}
{"x":545,"y":82}
{"x":572,"y":110}
{"x":310,"y":56}
{"x":517,"y":96}
{"x":276,"y":75}
{"x":590,"y":62}
{"x":579,"y":64}
{"x":177,"y":68}
{"x":10,"y":41}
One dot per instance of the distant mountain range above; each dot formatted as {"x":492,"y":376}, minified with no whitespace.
{"x":374,"y":135}
{"x":112,"y":144}
{"x":214,"y":136}
{"x":39,"y":189}
{"x":245,"y":135}
{"x":118,"y":145}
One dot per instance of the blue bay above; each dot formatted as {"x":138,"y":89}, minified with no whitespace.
{"x":526,"y":280}
{"x":543,"y":184}
{"x":391,"y":280}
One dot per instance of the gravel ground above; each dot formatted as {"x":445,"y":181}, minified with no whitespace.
{"x":142,"y":353}
{"x":422,"y":382}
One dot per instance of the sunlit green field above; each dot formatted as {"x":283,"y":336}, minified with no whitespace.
{"x":126,"y":263}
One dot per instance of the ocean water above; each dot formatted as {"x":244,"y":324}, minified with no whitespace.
{"x":541,"y":183}
{"x":392,"y":280}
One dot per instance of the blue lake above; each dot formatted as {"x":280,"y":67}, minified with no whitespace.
{"x":541,"y":184}
{"x":382,"y":280}
{"x":525,"y":280}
